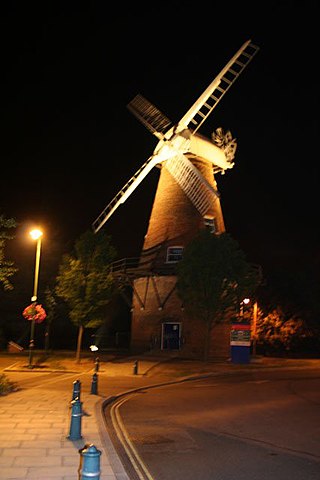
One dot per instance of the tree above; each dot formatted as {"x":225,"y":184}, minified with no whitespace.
{"x":213,"y":278}
{"x":51,"y":308}
{"x":85,"y":282}
{"x":279,"y":332}
{"x":7,"y":268}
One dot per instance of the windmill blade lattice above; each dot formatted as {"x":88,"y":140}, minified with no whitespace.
{"x":210,"y":98}
{"x":192,"y":182}
{"x":125,"y":192}
{"x":155,"y":121}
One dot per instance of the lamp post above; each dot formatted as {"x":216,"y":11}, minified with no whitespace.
{"x":254,"y":328}
{"x":36,"y":235}
{"x":244,"y":302}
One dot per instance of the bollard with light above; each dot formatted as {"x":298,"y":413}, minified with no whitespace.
{"x":90,"y":462}
{"x":75,"y":422}
{"x":135,"y":368}
{"x":76,"y":389}
{"x":36,"y":235}
{"x":94,"y":384}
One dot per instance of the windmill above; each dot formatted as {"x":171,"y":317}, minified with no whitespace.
{"x":186,"y":200}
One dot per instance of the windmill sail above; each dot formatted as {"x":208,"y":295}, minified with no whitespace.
{"x":124,"y":193}
{"x":192,"y":182}
{"x":155,"y":121}
{"x":203,"y":107}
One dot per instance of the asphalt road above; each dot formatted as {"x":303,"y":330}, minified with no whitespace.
{"x":259,"y":426}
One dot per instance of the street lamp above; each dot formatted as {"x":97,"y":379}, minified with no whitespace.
{"x":244,"y":302}
{"x":36,"y":235}
{"x":254,"y":328}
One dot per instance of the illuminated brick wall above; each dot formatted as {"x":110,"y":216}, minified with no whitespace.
{"x":146,"y":325}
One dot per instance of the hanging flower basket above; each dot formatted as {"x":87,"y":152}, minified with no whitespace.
{"x":34,"y":312}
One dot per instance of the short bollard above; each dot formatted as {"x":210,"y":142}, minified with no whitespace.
{"x":76,"y":389}
{"x":94,"y":384}
{"x":76,"y":416}
{"x":135,"y":368}
{"x":96,"y":364}
{"x":90,"y":463}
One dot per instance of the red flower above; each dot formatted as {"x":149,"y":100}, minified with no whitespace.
{"x":34,"y":312}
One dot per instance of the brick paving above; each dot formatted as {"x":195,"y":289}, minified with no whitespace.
{"x":35,"y":426}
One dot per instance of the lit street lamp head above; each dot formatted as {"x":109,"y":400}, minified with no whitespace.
{"x":36,"y":234}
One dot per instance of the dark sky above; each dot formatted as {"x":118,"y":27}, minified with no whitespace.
{"x":69,"y":143}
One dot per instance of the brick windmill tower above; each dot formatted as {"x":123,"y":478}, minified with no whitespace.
{"x":186,"y":201}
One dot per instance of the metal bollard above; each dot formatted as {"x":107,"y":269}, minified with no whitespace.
{"x":90,"y":463}
{"x":76,"y":389}
{"x":135,"y":368}
{"x":75,"y":424}
{"x":96,"y":364}
{"x":94,"y":384}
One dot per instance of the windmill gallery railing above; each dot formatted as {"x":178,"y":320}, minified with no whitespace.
{"x":145,"y":265}
{"x":127,"y":270}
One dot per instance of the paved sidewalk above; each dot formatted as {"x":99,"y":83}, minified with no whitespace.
{"x":35,"y":423}
{"x":35,"y":426}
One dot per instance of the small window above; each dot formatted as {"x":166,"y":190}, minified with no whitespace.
{"x":210,"y":224}
{"x":174,"y":254}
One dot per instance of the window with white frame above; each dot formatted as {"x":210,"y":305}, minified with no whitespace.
{"x":174,"y":254}
{"x":210,"y":224}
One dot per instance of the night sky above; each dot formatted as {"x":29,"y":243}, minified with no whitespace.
{"x":69,"y":143}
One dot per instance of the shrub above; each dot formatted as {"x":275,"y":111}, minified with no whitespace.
{"x":278,"y":333}
{"x":6,"y":386}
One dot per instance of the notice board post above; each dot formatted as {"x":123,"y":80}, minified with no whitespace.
{"x":240,"y":342}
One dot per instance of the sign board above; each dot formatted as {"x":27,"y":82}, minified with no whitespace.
{"x":240,"y":335}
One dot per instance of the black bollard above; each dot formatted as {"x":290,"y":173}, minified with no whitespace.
{"x":75,"y":424}
{"x":135,"y":368}
{"x":94,"y":384}
{"x":96,"y":365}
{"x":90,"y":463}
{"x":76,"y":389}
